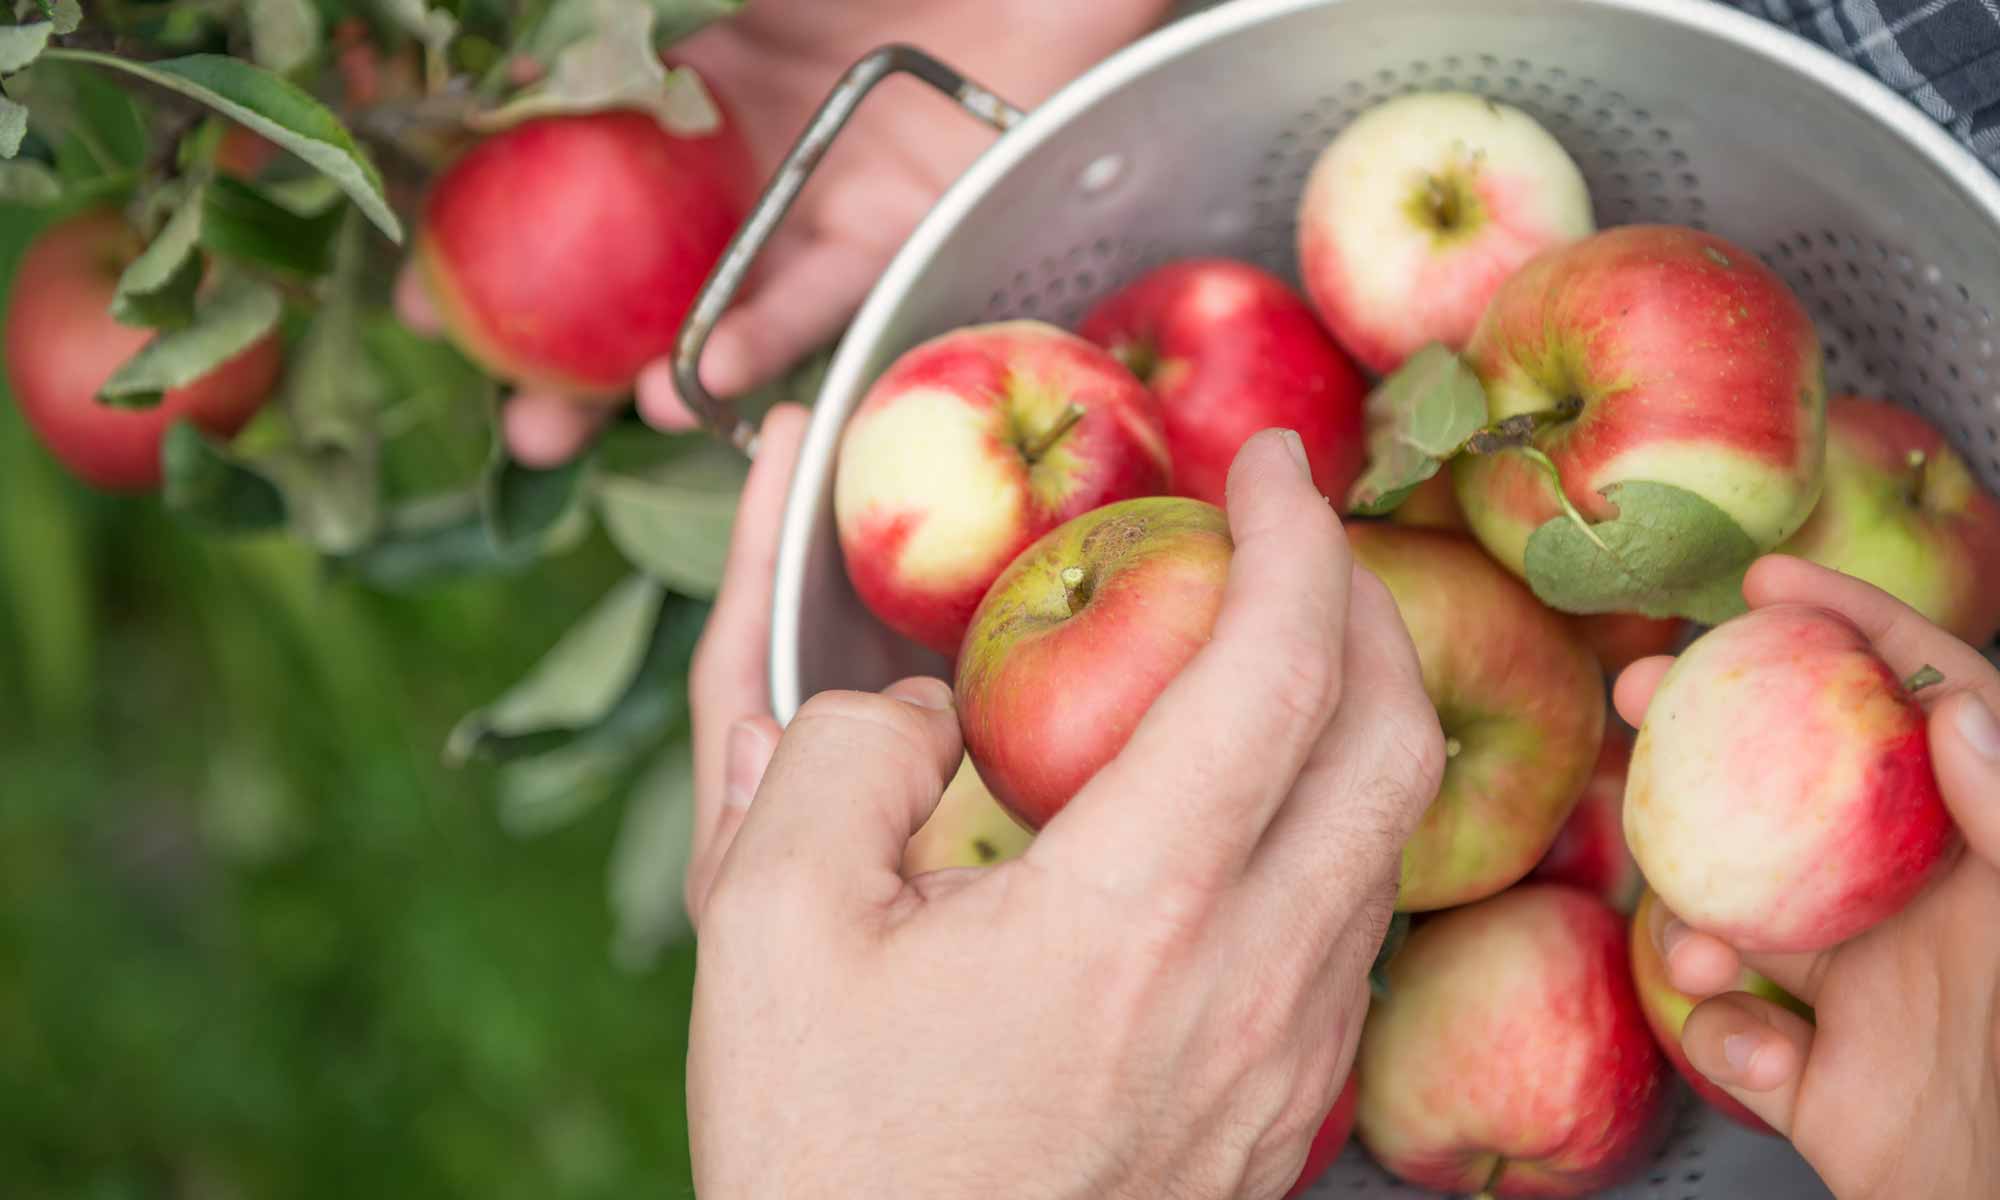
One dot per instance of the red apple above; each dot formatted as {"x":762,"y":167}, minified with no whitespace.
{"x":1509,"y":1056}
{"x":1590,"y":851}
{"x":1904,"y":512}
{"x":63,"y":345}
{"x":1781,"y":795}
{"x":563,"y":253}
{"x":1420,"y":209}
{"x":1230,"y":350}
{"x":1078,"y":637}
{"x":1522,"y":705}
{"x":1331,"y":1140}
{"x":967,"y":829}
{"x":1433,"y":505}
{"x":1654,"y":355}
{"x":1667,"y":1009}
{"x":971,"y":446}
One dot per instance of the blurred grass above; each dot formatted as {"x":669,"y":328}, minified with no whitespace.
{"x":255,"y":940}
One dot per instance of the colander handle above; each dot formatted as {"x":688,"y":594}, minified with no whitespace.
{"x":723,"y":282}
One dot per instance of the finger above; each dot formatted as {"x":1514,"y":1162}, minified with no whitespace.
{"x":799,"y":307}
{"x":414,"y":306}
{"x":659,"y":400}
{"x":854,"y":776}
{"x":1701,"y":964}
{"x":1965,"y":752}
{"x":1190,"y":795}
{"x":751,"y":742}
{"x":1901,"y":635}
{"x":1754,"y":1049}
{"x":1336,"y":844}
{"x":726,"y":681}
{"x":545,"y":429}
{"x":1636,"y":685}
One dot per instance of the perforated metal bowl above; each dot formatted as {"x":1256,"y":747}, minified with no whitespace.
{"x":1197,"y":140}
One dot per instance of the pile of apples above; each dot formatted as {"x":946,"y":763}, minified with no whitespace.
{"x":1040,"y":504}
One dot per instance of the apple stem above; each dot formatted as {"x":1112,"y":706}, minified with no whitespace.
{"x":1919,"y":464}
{"x":1075,"y":589}
{"x":1035,"y":449}
{"x":1521,"y":428}
{"x":1452,"y":747}
{"x":1927,"y":676}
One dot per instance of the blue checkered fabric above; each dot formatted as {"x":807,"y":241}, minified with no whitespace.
{"x":1942,"y":55}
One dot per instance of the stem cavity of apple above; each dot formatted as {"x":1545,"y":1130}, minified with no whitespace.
{"x":1140,"y":357}
{"x":1046,"y":441}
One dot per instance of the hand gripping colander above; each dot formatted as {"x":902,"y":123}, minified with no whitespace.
{"x":1197,"y":140}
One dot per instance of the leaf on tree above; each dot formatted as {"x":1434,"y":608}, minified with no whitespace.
{"x":239,"y":221}
{"x":1419,"y":417}
{"x":434,"y":27}
{"x":650,"y":859}
{"x":13,"y":127}
{"x":1668,"y":553}
{"x":273,"y":107}
{"x":26,"y":182}
{"x":284,"y":34}
{"x":93,"y":124}
{"x":207,"y":486}
{"x":22,"y":44}
{"x":672,"y":519}
{"x":522,"y":503}
{"x":158,"y":288}
{"x":225,"y":325}
{"x":601,"y":55}
{"x":64,"y":15}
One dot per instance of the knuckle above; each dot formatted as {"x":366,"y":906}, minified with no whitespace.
{"x":1304,"y":690}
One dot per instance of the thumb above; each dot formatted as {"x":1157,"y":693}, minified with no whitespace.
{"x":1754,"y":1050}
{"x":854,"y":776}
{"x":1965,"y":751}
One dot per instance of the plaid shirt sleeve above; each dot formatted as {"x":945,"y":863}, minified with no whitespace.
{"x":1942,"y":55}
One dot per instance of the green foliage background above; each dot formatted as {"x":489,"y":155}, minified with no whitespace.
{"x":255,"y":938}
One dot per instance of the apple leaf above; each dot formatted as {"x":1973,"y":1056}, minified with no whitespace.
{"x":95,"y":127}
{"x":601,"y":55}
{"x":224,"y":326}
{"x":1668,"y":553}
{"x":522,"y":503}
{"x":241,"y":222}
{"x":13,"y":127}
{"x":65,"y":15}
{"x":284,"y":34}
{"x":23,"y":181}
{"x":429,"y":540}
{"x":208,"y":487}
{"x":434,"y":27}
{"x":650,"y":858}
{"x":22,"y":44}
{"x":158,"y":288}
{"x":272,"y":107}
{"x":1418,"y":417}
{"x":672,"y":519}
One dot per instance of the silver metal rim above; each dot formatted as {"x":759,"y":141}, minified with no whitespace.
{"x":844,"y":375}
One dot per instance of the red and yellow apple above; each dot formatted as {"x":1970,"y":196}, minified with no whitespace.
{"x":62,"y":345}
{"x":1331,"y":1140}
{"x":1229,"y":349}
{"x":1590,"y":851}
{"x":971,"y":446}
{"x":1509,"y":1056}
{"x":1654,"y":355}
{"x":1433,"y":505}
{"x":1417,"y":212}
{"x":1078,"y":637}
{"x":1902,"y":511}
{"x":968,"y":828}
{"x":562,"y":253}
{"x":1781,"y":795}
{"x":1667,"y":1009}
{"x":1521,"y":702}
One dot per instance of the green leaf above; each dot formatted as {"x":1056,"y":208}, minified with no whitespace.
{"x":240,"y":222}
{"x":650,"y":858}
{"x":434,"y":27}
{"x":65,"y":15}
{"x":578,"y":681}
{"x":210,"y":488}
{"x":158,"y":288}
{"x":22,"y":44}
{"x":427,"y":541}
{"x":523,"y":504}
{"x":26,"y":182}
{"x":601,"y":55}
{"x":1392,"y":941}
{"x":273,"y":107}
{"x":94,"y":125}
{"x":1417,"y":418}
{"x":284,"y":34}
{"x":1668,"y":553}
{"x":672,"y":519}
{"x":677,"y":19}
{"x":13,"y":127}
{"x":224,"y":326}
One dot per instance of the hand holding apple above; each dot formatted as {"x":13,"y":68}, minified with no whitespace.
{"x":1873,"y":1118}
{"x":1509,"y":1056}
{"x":967,"y":829}
{"x":1229,"y":349}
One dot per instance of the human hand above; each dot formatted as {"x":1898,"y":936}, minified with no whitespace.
{"x":1893,"y":1090}
{"x":1182,"y":951}
{"x":771,"y":65}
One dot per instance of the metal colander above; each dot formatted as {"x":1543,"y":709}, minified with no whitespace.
{"x":1197,"y":140}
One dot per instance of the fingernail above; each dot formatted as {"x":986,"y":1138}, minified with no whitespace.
{"x":749,"y":753}
{"x":1672,"y":934}
{"x":1298,"y":448}
{"x":1740,"y":1049}
{"x":1977,"y":725}
{"x":924,"y":692}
